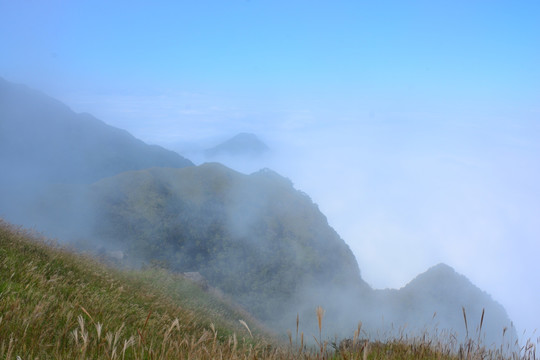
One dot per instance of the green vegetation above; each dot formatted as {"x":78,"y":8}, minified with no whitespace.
{"x":260,"y":241}
{"x":55,"y":304}
{"x":253,"y":236}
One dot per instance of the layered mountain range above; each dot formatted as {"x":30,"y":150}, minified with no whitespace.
{"x":255,"y":237}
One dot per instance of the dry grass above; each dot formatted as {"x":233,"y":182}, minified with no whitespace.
{"x":55,"y":304}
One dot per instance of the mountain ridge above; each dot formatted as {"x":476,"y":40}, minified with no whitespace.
{"x":254,"y":236}
{"x":63,"y":146}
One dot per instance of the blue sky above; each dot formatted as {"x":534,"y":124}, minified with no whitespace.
{"x":343,"y":51}
{"x":422,"y":118}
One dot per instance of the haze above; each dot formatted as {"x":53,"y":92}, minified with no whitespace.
{"x":414,"y":126}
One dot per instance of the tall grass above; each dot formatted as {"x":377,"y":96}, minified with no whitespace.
{"x":55,"y":304}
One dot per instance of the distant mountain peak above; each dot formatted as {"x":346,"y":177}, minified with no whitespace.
{"x":242,"y":144}
{"x":439,"y":297}
{"x":442,"y":269}
{"x":439,"y":274}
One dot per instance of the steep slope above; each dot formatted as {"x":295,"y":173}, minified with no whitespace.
{"x":55,"y":304}
{"x":42,"y":140}
{"x":253,"y":236}
{"x":58,"y":305}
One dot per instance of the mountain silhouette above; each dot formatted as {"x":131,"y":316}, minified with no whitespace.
{"x":243,"y":144}
{"x":441,"y":299}
{"x":43,"y":140}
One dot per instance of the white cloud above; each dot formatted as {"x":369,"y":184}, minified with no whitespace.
{"x":405,"y":191}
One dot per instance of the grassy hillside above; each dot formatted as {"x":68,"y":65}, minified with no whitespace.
{"x":255,"y":237}
{"x":259,"y":240}
{"x":55,"y":304}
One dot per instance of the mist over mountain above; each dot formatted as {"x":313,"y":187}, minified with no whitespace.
{"x":255,"y":237}
{"x":240,"y":145}
{"x":417,"y":306}
{"x":42,"y":140}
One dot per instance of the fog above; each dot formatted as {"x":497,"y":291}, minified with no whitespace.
{"x":435,"y":197}
{"x":405,"y":191}
{"x":414,"y":128}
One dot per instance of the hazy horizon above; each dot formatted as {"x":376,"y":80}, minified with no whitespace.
{"x":414,"y":127}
